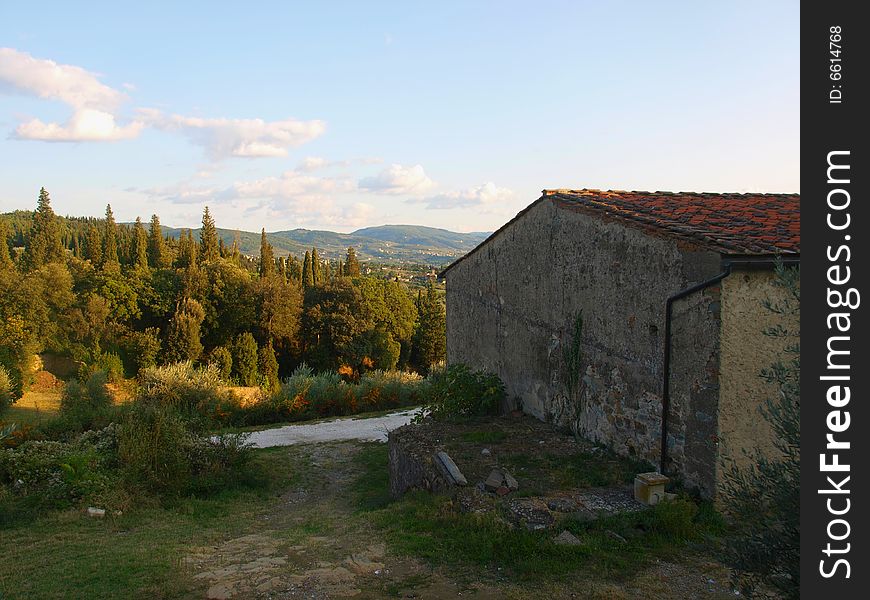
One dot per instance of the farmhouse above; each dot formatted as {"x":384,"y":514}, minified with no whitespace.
{"x":605,"y":310}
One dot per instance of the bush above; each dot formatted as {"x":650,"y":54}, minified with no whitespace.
{"x":458,"y":393}
{"x":152,"y":447}
{"x":675,"y":519}
{"x":222,"y":360}
{"x":268,"y":368}
{"x":141,"y":348}
{"x":6,"y":396}
{"x":86,"y":405}
{"x":156,"y":448}
{"x":245,"y":360}
{"x":196,"y":394}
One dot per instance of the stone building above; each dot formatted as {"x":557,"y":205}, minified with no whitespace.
{"x":616,"y":258}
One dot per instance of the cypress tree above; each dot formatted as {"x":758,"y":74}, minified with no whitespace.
{"x":294,"y":269}
{"x":268,"y":365}
{"x":110,"y":240}
{"x":316,"y":273}
{"x":307,"y":273}
{"x":245,"y":360}
{"x":186,"y":250}
{"x":267,"y":257}
{"x":94,"y":245}
{"x":140,"y":246}
{"x":43,"y":245}
{"x":5,"y":256}
{"x":208,"y":238}
{"x":430,"y":340}
{"x":351,"y":264}
{"x":183,"y":338}
{"x":340,"y":270}
{"x":156,"y":247}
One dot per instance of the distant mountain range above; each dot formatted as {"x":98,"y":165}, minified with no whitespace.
{"x":387,"y":243}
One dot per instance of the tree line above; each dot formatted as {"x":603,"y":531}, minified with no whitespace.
{"x":121,"y":298}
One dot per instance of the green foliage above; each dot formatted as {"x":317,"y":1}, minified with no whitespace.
{"x":141,"y":348}
{"x":197,"y":395}
{"x":183,"y":339}
{"x":458,"y":393}
{"x":43,"y":244}
{"x":430,"y":339}
{"x":351,"y":264}
{"x":268,"y":367}
{"x":156,"y":246}
{"x":245,"y":360}
{"x":208,"y":239}
{"x":6,"y":391}
{"x":267,"y":257}
{"x":86,"y":405}
{"x":765,"y":497}
{"x":110,"y":241}
{"x":221,"y":359}
{"x":140,"y":246}
{"x":375,"y":349}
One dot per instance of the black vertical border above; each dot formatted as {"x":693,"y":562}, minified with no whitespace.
{"x":826,"y":127}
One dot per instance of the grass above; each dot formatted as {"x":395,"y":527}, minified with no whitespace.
{"x":484,"y":436}
{"x":33,"y":409}
{"x":553,"y":471}
{"x":429,"y":527}
{"x":136,"y":555}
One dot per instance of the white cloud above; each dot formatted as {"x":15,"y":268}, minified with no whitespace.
{"x":86,"y":125}
{"x":487,"y":195}
{"x":223,"y":138}
{"x":45,"y":78}
{"x":399,"y":179}
{"x":94,"y":104}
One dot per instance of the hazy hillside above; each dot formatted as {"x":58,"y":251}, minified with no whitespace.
{"x":387,"y":243}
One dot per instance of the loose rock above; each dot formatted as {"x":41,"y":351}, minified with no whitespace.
{"x":566,"y":538}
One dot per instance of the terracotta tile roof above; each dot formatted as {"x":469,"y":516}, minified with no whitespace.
{"x":727,"y":223}
{"x":763,"y":224}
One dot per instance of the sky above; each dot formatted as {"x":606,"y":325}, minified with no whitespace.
{"x":342,"y":115}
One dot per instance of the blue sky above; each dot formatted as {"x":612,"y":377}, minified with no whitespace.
{"x":339,"y":115}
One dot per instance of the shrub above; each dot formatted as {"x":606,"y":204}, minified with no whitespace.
{"x":245,"y":360}
{"x":196,"y":394}
{"x":152,"y":444}
{"x":268,"y":365}
{"x":85,"y":405}
{"x":141,"y":348}
{"x":156,"y":448}
{"x":675,"y":519}
{"x":458,"y":393}
{"x":222,"y":360}
{"x":6,"y":396}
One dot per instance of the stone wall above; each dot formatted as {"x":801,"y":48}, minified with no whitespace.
{"x":745,"y":352}
{"x":511,"y":306}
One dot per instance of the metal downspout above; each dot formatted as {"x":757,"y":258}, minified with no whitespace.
{"x":666,"y":368}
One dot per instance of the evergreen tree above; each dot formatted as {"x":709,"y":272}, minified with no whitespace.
{"x":245,"y":360}
{"x":140,"y":246}
{"x":316,"y":272}
{"x":94,"y":245}
{"x":183,"y":338}
{"x":156,"y":246}
{"x":268,"y":366}
{"x":351,"y":264}
{"x":186,"y":251}
{"x":327,"y":271}
{"x":235,"y":252}
{"x":339,"y":272}
{"x":307,"y":273}
{"x":282,"y":268}
{"x":267,"y":257}
{"x":430,"y":339}
{"x":222,"y":359}
{"x":110,"y":240}
{"x":294,"y":269}
{"x":43,"y":245}
{"x":208,"y":238}
{"x":5,"y":257}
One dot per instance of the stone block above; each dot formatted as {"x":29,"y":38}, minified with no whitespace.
{"x":449,"y":468}
{"x":649,"y":488}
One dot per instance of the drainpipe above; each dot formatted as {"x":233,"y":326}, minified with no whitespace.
{"x":741,"y":262}
{"x":666,"y":368}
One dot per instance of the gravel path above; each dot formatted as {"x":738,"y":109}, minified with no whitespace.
{"x":371,"y":429}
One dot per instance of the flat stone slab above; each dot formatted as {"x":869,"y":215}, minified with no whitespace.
{"x":449,"y":468}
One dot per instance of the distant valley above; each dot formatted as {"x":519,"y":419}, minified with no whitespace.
{"x":386,"y":243}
